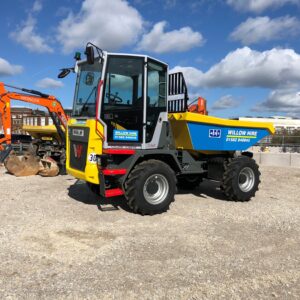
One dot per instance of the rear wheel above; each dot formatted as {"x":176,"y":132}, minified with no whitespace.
{"x":188,"y":182}
{"x":150,"y":187}
{"x":240,"y":179}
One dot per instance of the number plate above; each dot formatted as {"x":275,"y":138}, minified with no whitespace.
{"x":92,"y":158}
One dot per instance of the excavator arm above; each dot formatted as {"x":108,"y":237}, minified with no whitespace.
{"x":6,"y":122}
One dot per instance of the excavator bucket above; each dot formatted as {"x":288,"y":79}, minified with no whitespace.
{"x":29,"y":164}
{"x":48,"y":167}
{"x":25,"y":165}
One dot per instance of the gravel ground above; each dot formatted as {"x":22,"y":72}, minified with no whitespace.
{"x":56,"y":243}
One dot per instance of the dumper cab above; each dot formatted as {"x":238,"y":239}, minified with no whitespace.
{"x":120,"y":103}
{"x":132,"y":134}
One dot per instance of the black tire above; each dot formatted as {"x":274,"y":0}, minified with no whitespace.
{"x":140,"y":185}
{"x":240,"y":179}
{"x":188,"y":182}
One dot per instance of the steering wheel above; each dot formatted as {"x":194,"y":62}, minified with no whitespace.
{"x":114,"y":98}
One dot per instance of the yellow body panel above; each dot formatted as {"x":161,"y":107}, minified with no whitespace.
{"x":94,"y":147}
{"x":181,"y":138}
{"x":39,"y":132}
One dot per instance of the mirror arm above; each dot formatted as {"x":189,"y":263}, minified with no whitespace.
{"x":99,"y":51}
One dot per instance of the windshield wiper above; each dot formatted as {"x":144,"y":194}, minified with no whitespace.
{"x":86,"y":101}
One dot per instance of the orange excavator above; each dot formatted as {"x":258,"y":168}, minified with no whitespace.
{"x":29,"y":164}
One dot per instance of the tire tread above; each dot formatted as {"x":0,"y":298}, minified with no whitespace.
{"x":231,"y":171}
{"x":132,"y":181}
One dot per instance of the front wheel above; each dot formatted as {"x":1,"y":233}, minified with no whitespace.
{"x":240,"y":179}
{"x":150,"y":187}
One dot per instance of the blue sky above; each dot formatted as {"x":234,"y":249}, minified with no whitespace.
{"x":242,"y":56}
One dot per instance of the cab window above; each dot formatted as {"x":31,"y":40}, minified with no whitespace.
{"x":122,"y":108}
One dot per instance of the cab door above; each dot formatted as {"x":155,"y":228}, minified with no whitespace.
{"x":123,"y":100}
{"x":156,"y":101}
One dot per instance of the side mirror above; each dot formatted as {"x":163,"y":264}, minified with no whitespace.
{"x":89,"y":52}
{"x":63,"y":73}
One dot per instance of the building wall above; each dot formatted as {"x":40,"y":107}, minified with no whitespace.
{"x":37,"y":121}
{"x":17,"y":114}
{"x":27,"y":116}
{"x":280,"y":123}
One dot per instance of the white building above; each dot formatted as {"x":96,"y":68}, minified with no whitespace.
{"x":280,"y":123}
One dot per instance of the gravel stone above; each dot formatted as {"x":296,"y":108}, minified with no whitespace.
{"x":59,"y":241}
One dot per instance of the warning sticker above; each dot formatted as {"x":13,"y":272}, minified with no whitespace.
{"x":126,"y":135}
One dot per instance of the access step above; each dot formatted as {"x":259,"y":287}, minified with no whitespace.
{"x":113,"y":192}
{"x":112,"y":172}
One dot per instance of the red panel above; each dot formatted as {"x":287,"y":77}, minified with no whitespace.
{"x":114,"y":171}
{"x":119,"y":151}
{"x":113,"y":193}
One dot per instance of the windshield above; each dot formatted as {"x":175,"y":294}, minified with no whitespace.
{"x":86,"y":89}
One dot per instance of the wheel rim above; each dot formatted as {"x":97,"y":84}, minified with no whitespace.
{"x":246,"y":179}
{"x":156,"y":189}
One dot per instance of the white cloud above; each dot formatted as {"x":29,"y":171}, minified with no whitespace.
{"x":257,"y":6}
{"x":245,"y":67}
{"x":47,"y":82}
{"x":225,"y":102}
{"x":108,"y":24}
{"x":179,"y":40}
{"x":255,"y":30}
{"x":37,"y":6}
{"x":7,"y":69}
{"x":26,"y":36}
{"x":282,"y":100}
